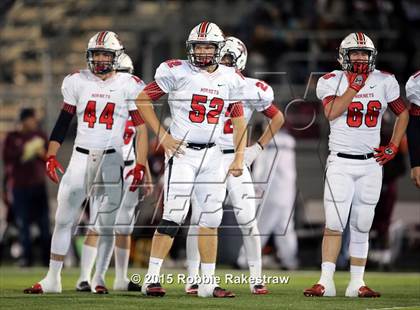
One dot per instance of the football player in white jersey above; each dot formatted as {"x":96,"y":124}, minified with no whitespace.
{"x":135,"y":145}
{"x":354,"y":100}
{"x":259,"y":97}
{"x":200,"y":91}
{"x":100,"y":98}
{"x":274,"y":173}
{"x":412,"y":89}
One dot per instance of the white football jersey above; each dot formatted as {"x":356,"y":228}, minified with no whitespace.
{"x":258,"y":96}
{"x":129,"y":138}
{"x":102,"y":107}
{"x":198,"y":99}
{"x":412,"y":89}
{"x":357,"y":130}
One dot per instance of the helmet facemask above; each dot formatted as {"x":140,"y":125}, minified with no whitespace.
{"x":102,"y":67}
{"x":357,"y":66}
{"x":204,"y":60}
{"x":231,"y":60}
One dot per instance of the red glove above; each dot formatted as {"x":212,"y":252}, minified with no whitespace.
{"x":51,"y":165}
{"x":386,"y":153}
{"x":360,"y":67}
{"x":357,"y":80}
{"x":138,"y":175}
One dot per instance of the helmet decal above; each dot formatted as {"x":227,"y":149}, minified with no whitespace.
{"x":360,"y":37}
{"x":101,"y":38}
{"x":202,"y":30}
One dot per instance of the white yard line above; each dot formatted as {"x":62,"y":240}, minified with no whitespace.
{"x":392,"y":308}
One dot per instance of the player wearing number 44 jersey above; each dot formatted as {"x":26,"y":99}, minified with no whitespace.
{"x":135,"y":145}
{"x":200,"y":91}
{"x":354,"y":100}
{"x":100,"y":98}
{"x":258,"y":96}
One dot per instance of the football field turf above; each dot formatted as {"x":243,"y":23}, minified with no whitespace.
{"x":399,"y":291}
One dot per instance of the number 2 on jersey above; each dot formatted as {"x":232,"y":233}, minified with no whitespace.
{"x":106,"y":116}
{"x":355,"y":114}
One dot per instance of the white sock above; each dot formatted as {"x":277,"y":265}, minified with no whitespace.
{"x":87,"y":260}
{"x":121,"y":264}
{"x":193,"y":268}
{"x":252,"y":242}
{"x":154,"y":269}
{"x":208,"y":269}
{"x":356,"y":274}
{"x":105,"y":247}
{"x":255,"y":271}
{"x":54,"y":272}
{"x":327,"y":273}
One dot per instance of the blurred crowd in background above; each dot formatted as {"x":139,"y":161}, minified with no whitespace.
{"x":42,"y":41}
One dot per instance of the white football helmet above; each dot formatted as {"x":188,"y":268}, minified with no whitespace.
{"x":356,"y":41}
{"x":105,"y":41}
{"x":125,"y":64}
{"x":205,"y":33}
{"x":237,"y":50}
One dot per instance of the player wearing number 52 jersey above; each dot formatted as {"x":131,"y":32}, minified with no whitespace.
{"x":259,"y":97}
{"x":354,"y":100}
{"x":200,"y":92}
{"x":102,"y":101}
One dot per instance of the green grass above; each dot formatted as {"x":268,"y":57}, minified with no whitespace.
{"x":398,"y":290}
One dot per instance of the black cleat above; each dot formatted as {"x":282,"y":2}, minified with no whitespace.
{"x":133,"y":287}
{"x":83,"y":286}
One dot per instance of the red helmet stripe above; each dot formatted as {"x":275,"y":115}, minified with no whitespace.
{"x":202,"y":30}
{"x":101,"y":37}
{"x":360,"y":38}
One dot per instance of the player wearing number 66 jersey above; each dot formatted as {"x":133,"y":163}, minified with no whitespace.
{"x":200,"y":92}
{"x":354,"y":100}
{"x":102,"y":101}
{"x":412,"y":89}
{"x":259,"y":97}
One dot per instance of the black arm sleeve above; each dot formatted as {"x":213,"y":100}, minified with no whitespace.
{"x":61,"y":126}
{"x":413,"y":138}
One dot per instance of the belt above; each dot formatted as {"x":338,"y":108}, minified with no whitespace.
{"x":128,"y":162}
{"x":86,"y":151}
{"x":199,"y":146}
{"x":360,"y":157}
{"x":229,"y":151}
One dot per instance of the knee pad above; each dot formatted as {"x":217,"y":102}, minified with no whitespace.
{"x":124,"y":229}
{"x":211,"y":220}
{"x":245,"y":213}
{"x":126,"y":219}
{"x":168,"y":228}
{"x":104,"y":230}
{"x":250,"y":229}
{"x":361,"y":218}
{"x":335,"y":224}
